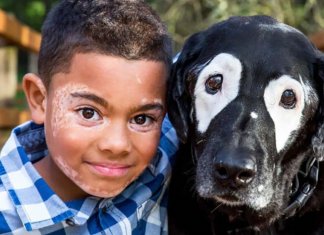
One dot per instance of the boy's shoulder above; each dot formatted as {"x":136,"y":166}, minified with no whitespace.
{"x":25,"y":199}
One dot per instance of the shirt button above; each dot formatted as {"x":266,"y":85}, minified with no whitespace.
{"x":105,"y":209}
{"x":70,"y":222}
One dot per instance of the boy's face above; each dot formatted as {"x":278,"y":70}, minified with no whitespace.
{"x":102,"y":121}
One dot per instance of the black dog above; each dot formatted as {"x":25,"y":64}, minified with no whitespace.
{"x":246,"y":99}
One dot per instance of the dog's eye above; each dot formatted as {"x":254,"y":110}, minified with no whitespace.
{"x":214,"y":83}
{"x":288,"y":99}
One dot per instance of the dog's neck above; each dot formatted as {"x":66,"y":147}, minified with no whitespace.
{"x":306,"y":181}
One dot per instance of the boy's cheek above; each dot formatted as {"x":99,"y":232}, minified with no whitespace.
{"x":149,"y":144}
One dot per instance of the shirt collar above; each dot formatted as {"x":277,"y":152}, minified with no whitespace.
{"x":36,"y":204}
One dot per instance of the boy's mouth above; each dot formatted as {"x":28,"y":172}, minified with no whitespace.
{"x":110,"y":170}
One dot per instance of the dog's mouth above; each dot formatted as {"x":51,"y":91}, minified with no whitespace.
{"x":237,"y":209}
{"x":229,"y":200}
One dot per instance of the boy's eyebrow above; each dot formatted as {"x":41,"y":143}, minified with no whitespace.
{"x":104,"y":103}
{"x":149,"y":106}
{"x":92,"y":97}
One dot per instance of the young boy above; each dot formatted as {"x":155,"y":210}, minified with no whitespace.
{"x":93,"y":160}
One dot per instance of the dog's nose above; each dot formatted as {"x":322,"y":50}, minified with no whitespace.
{"x":235,"y":169}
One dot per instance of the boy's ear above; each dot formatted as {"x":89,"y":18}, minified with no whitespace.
{"x":36,"y":97}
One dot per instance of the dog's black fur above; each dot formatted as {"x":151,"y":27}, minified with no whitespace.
{"x":219,"y":166}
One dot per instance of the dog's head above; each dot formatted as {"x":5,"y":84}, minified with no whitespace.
{"x":247,"y":93}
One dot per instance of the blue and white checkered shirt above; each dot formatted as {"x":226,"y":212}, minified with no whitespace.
{"x":28,"y":204}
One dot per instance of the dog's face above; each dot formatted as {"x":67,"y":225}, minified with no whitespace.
{"x":248,"y":92}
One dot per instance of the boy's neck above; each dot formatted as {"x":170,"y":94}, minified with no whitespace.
{"x":58,"y":181}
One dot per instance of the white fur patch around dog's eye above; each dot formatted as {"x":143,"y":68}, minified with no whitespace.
{"x":209,"y":105}
{"x":285,"y":120}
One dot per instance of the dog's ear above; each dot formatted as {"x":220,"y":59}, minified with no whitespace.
{"x":318,"y":139}
{"x":319,"y":73}
{"x":320,"y":62}
{"x":179,"y":99}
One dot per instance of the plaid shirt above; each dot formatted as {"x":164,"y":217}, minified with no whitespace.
{"x":27,"y":203}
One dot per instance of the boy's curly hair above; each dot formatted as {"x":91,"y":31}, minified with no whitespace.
{"x":125,"y":28}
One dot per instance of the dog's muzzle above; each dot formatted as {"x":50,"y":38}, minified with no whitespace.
{"x":234,"y":168}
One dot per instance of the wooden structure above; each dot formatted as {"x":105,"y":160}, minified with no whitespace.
{"x":18,"y":34}
{"x":13,"y":35}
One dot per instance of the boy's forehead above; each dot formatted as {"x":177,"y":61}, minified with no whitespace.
{"x":89,"y":57}
{"x":80,"y":62}
{"x":95,"y":71}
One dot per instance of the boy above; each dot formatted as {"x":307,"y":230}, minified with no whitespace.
{"x":88,"y":163}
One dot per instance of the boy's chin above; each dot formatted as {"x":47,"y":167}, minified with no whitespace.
{"x":104,"y":192}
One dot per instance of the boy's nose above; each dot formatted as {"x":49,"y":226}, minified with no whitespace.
{"x":115,"y":139}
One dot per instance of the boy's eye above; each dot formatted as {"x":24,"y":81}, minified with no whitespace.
{"x":142,"y":119}
{"x":143,"y":123}
{"x":89,"y":114}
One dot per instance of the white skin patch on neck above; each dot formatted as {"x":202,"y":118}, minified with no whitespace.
{"x":207,"y":105}
{"x":285,"y":120}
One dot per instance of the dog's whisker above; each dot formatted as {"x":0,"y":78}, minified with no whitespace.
{"x":213,"y":210}
{"x":200,"y":141}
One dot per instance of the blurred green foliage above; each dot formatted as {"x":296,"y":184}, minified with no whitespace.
{"x":30,"y":12}
{"x":185,"y":17}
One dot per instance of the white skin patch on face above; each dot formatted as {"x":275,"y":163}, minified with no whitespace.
{"x":96,"y":137}
{"x":78,"y":180}
{"x":147,"y":101}
{"x":144,"y":101}
{"x":60,"y":104}
{"x":254,"y":115}
{"x":286,"y":120}
{"x":207,"y":105}
{"x":158,"y":101}
{"x":62,"y":117}
{"x":139,"y":80}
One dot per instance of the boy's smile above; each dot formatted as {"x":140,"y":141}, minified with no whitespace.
{"x":102,"y":124}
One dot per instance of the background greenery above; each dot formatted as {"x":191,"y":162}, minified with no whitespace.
{"x":184,"y":17}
